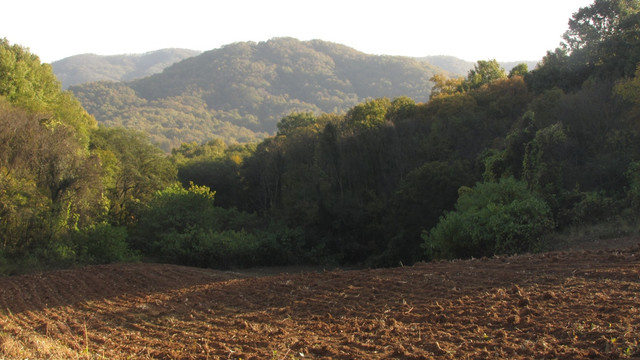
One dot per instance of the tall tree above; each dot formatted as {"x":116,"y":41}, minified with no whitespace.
{"x":294,"y":121}
{"x":133,"y":169}
{"x":367,"y":115}
{"x":606,"y":37}
{"x":484,"y":72}
{"x":49,"y":184}
{"x":27,"y":83}
{"x":597,"y":23}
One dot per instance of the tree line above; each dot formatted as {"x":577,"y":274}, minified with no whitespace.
{"x":492,"y":163}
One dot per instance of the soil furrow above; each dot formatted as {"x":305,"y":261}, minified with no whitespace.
{"x":572,"y":304}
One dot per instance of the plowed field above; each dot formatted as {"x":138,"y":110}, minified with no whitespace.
{"x":567,"y":305}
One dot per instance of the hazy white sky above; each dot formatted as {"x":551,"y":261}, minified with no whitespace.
{"x":508,"y":30}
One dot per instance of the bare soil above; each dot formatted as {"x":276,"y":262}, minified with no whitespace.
{"x":569,"y":304}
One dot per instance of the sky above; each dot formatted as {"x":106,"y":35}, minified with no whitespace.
{"x":506,"y":30}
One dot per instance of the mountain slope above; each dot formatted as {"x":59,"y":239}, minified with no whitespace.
{"x":85,"y":68}
{"x":248,"y":87}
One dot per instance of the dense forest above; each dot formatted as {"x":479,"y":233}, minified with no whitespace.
{"x":240,"y":91}
{"x":84,"y":68}
{"x":491,"y":163}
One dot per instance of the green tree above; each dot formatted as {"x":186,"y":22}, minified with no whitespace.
{"x":442,"y":85}
{"x":557,"y":70}
{"x":294,"y":121}
{"x":27,"y":83}
{"x":49,"y":188}
{"x":519,"y":70}
{"x":48,"y":157}
{"x":218,"y":168}
{"x":543,"y":160}
{"x":402,"y":108}
{"x":453,"y":121}
{"x":369,"y":114}
{"x":133,"y":169}
{"x":628,"y":89}
{"x":484,"y":72}
{"x":633,"y":193}
{"x":597,"y":23}
{"x":263,"y":172}
{"x":50,"y":185}
{"x":605,"y":37}
{"x":508,"y":161}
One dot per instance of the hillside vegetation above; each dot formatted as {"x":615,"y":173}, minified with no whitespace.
{"x":491,"y":163}
{"x":239,"y":92}
{"x":80,"y":69}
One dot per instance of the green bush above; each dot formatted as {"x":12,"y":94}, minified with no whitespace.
{"x":633,"y":191}
{"x":4,"y":264}
{"x":174,"y":210}
{"x":182,"y":226}
{"x":585,"y":208}
{"x":228,"y":248}
{"x":207,"y":248}
{"x":282,"y":245}
{"x":102,"y":244}
{"x":492,"y":218}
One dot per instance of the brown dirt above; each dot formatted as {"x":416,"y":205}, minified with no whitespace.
{"x":566,"y":304}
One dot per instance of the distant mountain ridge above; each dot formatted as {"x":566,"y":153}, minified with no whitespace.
{"x":84,"y":68}
{"x":240,"y":91}
{"x":459,"y":67}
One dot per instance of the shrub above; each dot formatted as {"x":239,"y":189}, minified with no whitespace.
{"x":174,"y":210}
{"x":228,"y":248}
{"x":182,"y":226}
{"x":101,"y":244}
{"x":585,"y":208}
{"x":633,"y":191}
{"x":492,"y":218}
{"x":4,"y":264}
{"x":282,"y":245}
{"x":208,"y":248}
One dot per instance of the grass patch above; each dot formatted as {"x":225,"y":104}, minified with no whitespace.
{"x":609,"y":234}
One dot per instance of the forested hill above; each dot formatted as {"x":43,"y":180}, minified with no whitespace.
{"x":239,"y":92}
{"x":84,"y":68}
